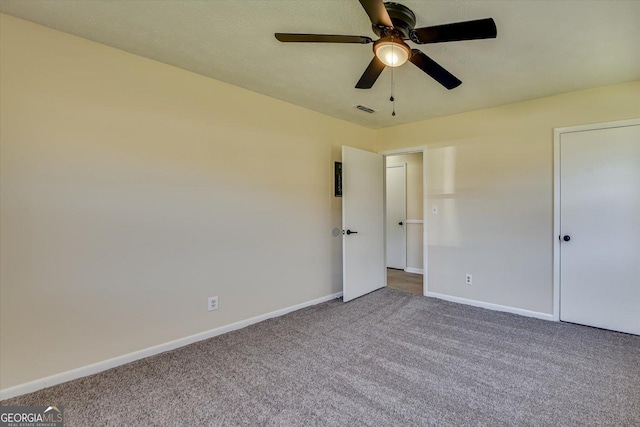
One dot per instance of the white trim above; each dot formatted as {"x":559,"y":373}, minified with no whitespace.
{"x":556,"y":224}
{"x":384,"y":219}
{"x":425,"y":222}
{"x":557,"y":133}
{"x":415,"y":221}
{"x":94,"y":368}
{"x":410,"y":150}
{"x":490,"y":306}
{"x":594,"y":126}
{"x":414,"y":270}
{"x":404,"y":214}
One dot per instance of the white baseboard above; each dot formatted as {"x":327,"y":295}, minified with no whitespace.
{"x":490,"y":306}
{"x":94,"y":368}
{"x":414,"y":270}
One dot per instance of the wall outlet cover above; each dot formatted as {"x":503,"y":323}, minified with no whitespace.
{"x":212,"y":303}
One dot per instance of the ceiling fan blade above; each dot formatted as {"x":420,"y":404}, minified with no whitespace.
{"x":431,"y":67}
{"x":468,"y":30}
{"x":371,"y":74}
{"x":377,"y":12}
{"x":321,"y":38}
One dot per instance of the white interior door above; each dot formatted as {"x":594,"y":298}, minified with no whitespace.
{"x":600,"y":228}
{"x":362,"y":222}
{"x":396,"y":217}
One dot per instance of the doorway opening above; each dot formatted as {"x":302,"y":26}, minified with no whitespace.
{"x":401,"y":280}
{"x":404,"y":220}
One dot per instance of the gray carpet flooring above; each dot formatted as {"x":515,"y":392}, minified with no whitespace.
{"x":390,"y":358}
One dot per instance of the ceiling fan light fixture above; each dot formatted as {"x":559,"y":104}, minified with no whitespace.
{"x":392,"y":53}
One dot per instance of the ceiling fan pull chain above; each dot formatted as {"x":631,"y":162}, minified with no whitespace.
{"x":391,"y":98}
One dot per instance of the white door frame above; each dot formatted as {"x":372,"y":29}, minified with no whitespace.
{"x":557,"y":132}
{"x":421,"y":149}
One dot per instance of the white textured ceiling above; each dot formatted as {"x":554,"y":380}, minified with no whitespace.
{"x":542,"y":48}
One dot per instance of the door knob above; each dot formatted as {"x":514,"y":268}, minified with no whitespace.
{"x":566,"y":238}
{"x":351,"y":232}
{"x":400,"y":223}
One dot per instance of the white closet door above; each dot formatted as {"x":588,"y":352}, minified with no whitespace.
{"x":600,"y":228}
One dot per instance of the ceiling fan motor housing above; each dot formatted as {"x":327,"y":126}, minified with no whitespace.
{"x":403,"y":19}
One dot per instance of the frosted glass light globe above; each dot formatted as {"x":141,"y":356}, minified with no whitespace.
{"x":392,"y":54}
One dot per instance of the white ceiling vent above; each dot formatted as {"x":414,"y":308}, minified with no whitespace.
{"x":365,"y":109}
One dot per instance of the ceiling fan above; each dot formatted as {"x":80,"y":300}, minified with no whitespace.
{"x":394,"y":23}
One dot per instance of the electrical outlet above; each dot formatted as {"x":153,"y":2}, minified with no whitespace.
{"x":468,"y":279}
{"x":212,"y":303}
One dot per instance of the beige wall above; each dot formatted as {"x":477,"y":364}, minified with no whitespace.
{"x":414,"y":199}
{"x":132,"y":191}
{"x":490,"y":174}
